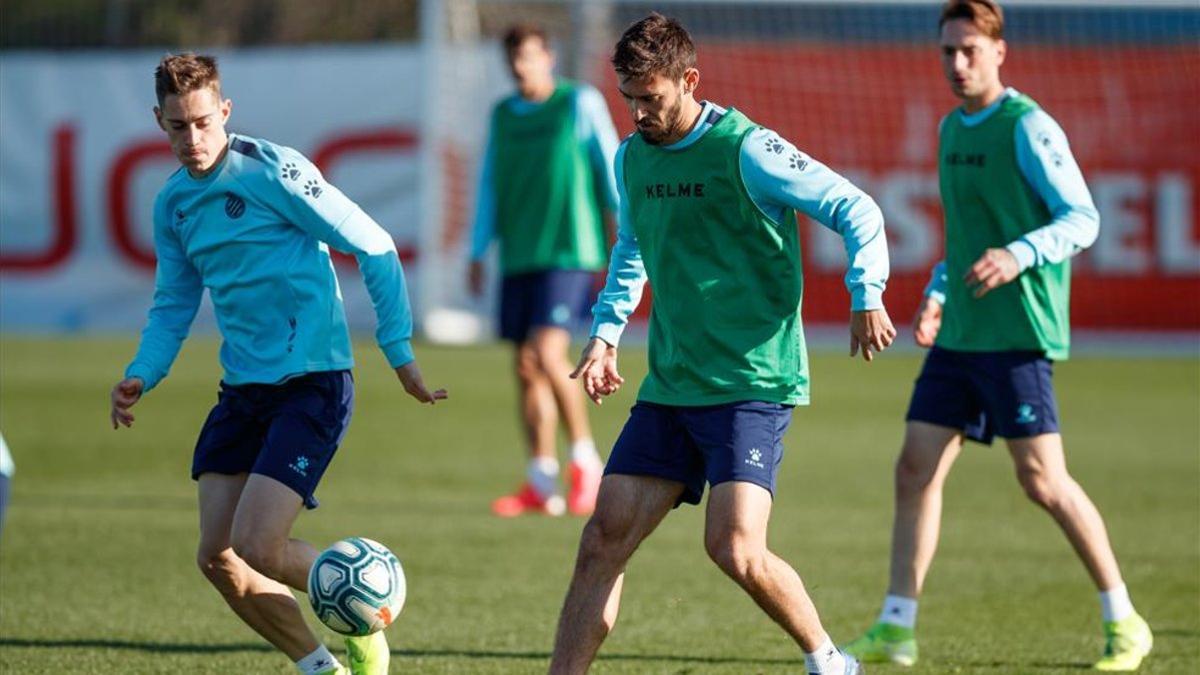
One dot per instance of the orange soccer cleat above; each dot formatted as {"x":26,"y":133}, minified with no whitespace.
{"x":527,"y":500}
{"x":585,"y":484}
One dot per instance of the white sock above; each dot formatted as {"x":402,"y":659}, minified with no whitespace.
{"x":1115,"y":603}
{"x":899,"y":611}
{"x":542,"y":475}
{"x":584,"y":452}
{"x":826,"y":660}
{"x":319,"y":660}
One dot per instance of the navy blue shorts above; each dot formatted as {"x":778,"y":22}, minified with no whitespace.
{"x":286,"y":431}
{"x":546,"y":298}
{"x":693,"y":444}
{"x":986,"y":394}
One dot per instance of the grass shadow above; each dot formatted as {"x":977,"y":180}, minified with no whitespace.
{"x":131,"y":645}
{"x":192,"y":648}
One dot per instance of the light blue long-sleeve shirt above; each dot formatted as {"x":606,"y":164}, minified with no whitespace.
{"x":1045,"y":161}
{"x":593,"y":129}
{"x":778,"y":178}
{"x":256,"y":233}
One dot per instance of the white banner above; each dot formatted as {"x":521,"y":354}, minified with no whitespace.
{"x":82,"y":160}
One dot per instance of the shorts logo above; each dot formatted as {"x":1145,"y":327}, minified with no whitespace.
{"x":300,"y":466}
{"x":755,"y":458}
{"x":234,"y":206}
{"x":1025,"y":414}
{"x":560,"y":315}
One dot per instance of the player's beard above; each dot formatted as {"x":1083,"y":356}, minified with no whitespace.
{"x":672,"y":120}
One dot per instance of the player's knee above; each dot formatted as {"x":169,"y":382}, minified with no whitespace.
{"x":1042,"y":489}
{"x":737,"y":557}
{"x":529,"y":371}
{"x":913,"y":477}
{"x":604,"y":539}
{"x":551,"y":360}
{"x":221,"y":568}
{"x":265,"y":559}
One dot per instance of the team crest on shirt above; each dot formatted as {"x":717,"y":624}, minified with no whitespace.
{"x":290,"y":171}
{"x":797,"y":161}
{"x":235,"y":206}
{"x":1046,"y":142}
{"x":313,"y":189}
{"x":775,"y":145}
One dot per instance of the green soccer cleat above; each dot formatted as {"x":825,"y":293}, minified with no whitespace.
{"x":368,"y":655}
{"x":885,"y":643}
{"x":1127,"y":642}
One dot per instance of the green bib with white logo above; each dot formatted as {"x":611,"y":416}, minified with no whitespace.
{"x":548,"y":213}
{"x":725,"y":321}
{"x":989,"y":204}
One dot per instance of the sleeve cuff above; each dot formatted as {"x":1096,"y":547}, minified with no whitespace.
{"x":865,"y":298}
{"x":142,"y":372}
{"x":937,"y":296}
{"x":609,"y":332}
{"x":1024,"y":252}
{"x":398,"y":353}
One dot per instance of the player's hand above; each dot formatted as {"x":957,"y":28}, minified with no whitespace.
{"x":475,"y":278}
{"x":996,"y":267}
{"x":598,"y":369}
{"x":927,"y":322}
{"x":410,"y":377}
{"x":872,"y":331}
{"x":124,"y":394}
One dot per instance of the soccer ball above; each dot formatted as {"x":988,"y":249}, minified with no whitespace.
{"x":356,"y":586}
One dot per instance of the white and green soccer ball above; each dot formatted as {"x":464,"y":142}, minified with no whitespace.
{"x":356,"y":586}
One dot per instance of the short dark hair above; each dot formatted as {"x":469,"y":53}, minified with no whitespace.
{"x":517,"y":34}
{"x":656,"y":45}
{"x":985,"y":15}
{"x":179,"y":74}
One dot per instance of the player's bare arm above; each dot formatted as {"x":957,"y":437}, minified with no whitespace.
{"x":597,"y":368}
{"x":124,"y":394}
{"x":996,"y":267}
{"x":476,"y":275}
{"x":414,"y":384}
{"x":927,"y":322}
{"x":871,"y":331}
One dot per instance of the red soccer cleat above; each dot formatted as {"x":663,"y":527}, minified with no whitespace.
{"x":527,"y":500}
{"x":585,"y":484}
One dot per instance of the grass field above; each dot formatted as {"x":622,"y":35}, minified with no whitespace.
{"x":97,"y":571}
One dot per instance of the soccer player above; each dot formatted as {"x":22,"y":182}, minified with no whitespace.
{"x":995,"y":314}
{"x":7,"y":468}
{"x":545,"y":185}
{"x":707,"y":215}
{"x":252,"y":222}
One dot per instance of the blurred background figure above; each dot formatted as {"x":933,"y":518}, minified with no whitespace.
{"x":545,"y":187}
{"x":6,"y":471}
